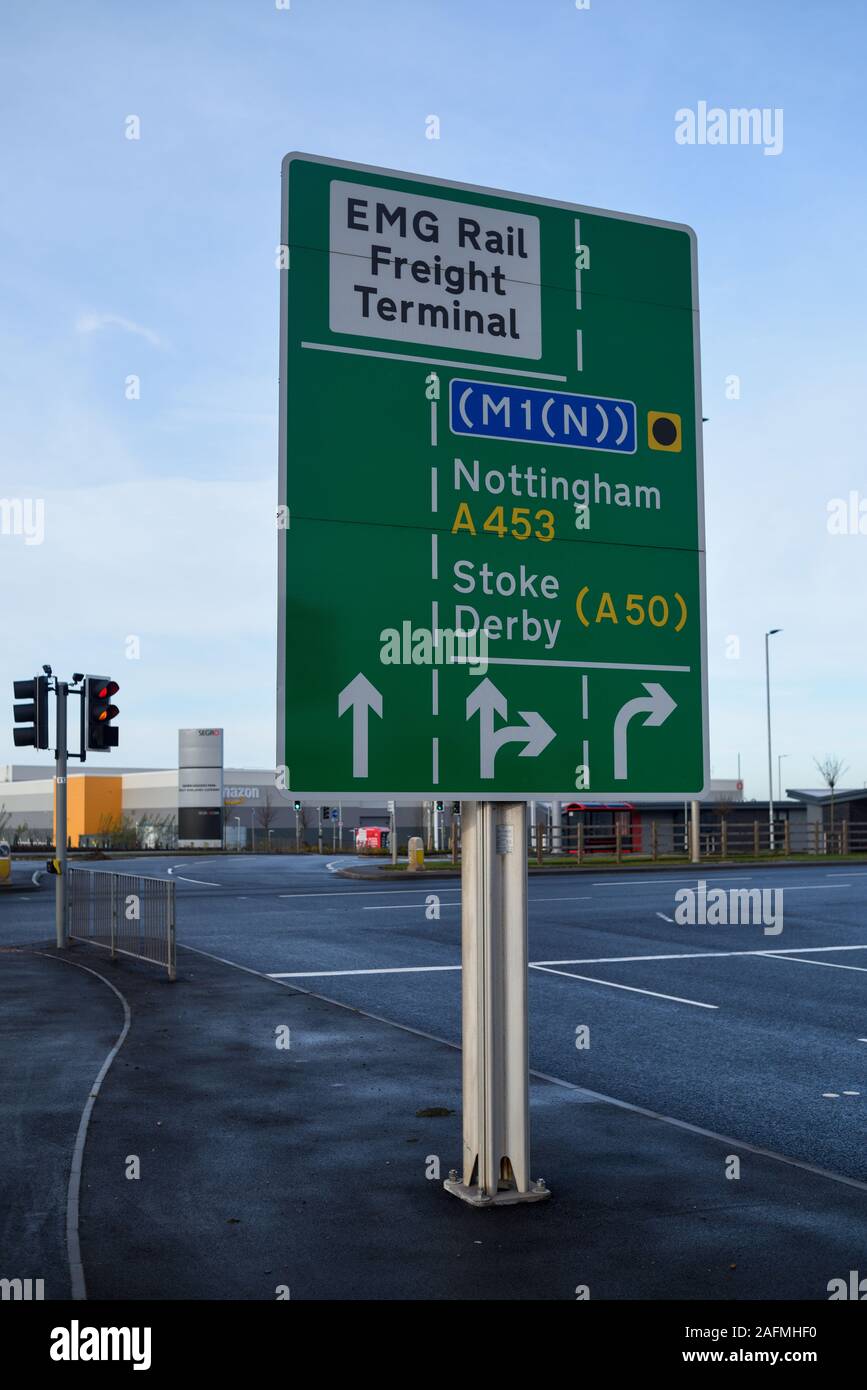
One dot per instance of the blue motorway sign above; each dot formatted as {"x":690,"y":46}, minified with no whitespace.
{"x":522,"y":414}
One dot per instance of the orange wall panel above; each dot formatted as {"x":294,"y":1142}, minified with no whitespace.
{"x":90,"y":802}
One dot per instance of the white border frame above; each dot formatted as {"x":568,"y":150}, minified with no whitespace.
{"x":442,"y":793}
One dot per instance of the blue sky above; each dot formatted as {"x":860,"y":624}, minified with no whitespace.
{"x":155,"y":257}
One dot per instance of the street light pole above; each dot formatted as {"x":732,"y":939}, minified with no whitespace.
{"x":768,"y":635}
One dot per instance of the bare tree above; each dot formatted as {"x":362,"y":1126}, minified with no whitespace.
{"x":832,"y":769}
{"x":266,"y":813}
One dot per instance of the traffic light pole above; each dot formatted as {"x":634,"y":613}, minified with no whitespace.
{"x":62,"y":692}
{"x":496,"y":1109}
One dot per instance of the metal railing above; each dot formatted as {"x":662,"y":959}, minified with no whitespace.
{"x":126,"y":914}
{"x":720,"y":837}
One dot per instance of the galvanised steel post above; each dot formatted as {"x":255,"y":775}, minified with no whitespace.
{"x":496,"y":1113}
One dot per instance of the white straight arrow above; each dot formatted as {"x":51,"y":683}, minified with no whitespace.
{"x":657,"y":705}
{"x":359,"y":696}
{"x":535,"y":733}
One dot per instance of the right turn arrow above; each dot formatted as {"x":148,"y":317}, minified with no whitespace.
{"x":359,"y":696}
{"x":657,"y":705}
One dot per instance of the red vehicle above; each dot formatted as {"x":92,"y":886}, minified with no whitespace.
{"x":371,"y":837}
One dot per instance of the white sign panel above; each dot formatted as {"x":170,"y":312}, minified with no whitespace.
{"x":418,"y":269}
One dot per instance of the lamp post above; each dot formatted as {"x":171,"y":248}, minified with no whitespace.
{"x":771,"y":633}
{"x":238,"y":822}
{"x":780,"y":757}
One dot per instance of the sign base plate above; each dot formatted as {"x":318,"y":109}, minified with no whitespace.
{"x":508,"y":1197}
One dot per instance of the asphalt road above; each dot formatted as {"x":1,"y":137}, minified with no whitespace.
{"x":761,"y":1037}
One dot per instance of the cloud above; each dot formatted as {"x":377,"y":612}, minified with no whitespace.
{"x":94,"y":323}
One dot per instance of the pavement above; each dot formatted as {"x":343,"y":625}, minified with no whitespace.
{"x":309,"y":1167}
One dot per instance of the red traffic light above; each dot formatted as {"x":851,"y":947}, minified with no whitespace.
{"x":99,"y":712}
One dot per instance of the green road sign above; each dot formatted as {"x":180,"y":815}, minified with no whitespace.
{"x":491,"y":521}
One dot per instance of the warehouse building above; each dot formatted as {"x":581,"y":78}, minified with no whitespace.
{"x":128,"y":807}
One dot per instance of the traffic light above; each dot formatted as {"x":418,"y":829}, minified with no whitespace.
{"x":456,"y":808}
{"x":439,"y":805}
{"x":34,"y":713}
{"x":325,"y":813}
{"x":297,"y":806}
{"x":101,"y":736}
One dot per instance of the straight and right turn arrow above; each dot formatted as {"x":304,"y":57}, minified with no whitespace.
{"x":534,"y":733}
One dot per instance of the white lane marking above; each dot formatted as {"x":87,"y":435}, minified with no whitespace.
{"x":719,"y":882}
{"x":365,"y":892}
{"x":389,"y":970}
{"x":572,"y":898}
{"x":811,"y":887}
{"x":540,"y":964}
{"x":699,"y":955}
{"x":206,"y":883}
{"x":830,"y":964}
{"x":854,"y":873}
{"x":862,"y":1039}
{"x":333,"y":866}
{"x":851,"y":1093}
{"x":632,"y":988}
{"x":381,"y":892}
{"x":582,"y":1091}
{"x":393,"y":907}
{"x":401,"y":907}
{"x":642,"y":882}
{"x":830,"y":1095}
{"x":664,"y":918}
{"x":73,"y":1244}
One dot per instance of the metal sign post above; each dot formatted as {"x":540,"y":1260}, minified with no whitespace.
{"x":496,"y":1123}
{"x":60,"y":786}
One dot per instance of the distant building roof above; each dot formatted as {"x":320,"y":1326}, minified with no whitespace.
{"x":822,"y":795}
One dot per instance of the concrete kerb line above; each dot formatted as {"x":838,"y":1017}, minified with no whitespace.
{"x":583,"y":1091}
{"x":73,"y":1190}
